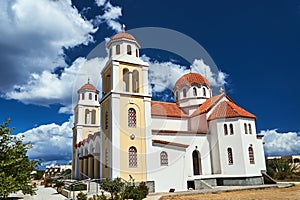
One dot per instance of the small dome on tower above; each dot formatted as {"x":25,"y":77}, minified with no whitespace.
{"x":191,"y":79}
{"x":88,"y":86}
{"x":123,"y":35}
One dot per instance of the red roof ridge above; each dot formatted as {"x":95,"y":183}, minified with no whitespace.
{"x":208,"y":104}
{"x":228,"y":109}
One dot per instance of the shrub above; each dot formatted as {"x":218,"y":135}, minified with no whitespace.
{"x":81,"y":196}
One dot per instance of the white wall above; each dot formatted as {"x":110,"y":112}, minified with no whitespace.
{"x":176,"y":124}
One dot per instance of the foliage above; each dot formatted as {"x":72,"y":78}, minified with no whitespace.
{"x":97,"y":197}
{"x":81,"y":196}
{"x":77,"y":187}
{"x":15,"y":167}
{"x":66,"y":172}
{"x":135,"y":192}
{"x":281,"y":169}
{"x":114,"y":187}
{"x":49,"y":180}
{"x":59,"y":183}
{"x":128,"y":190}
{"x":38,"y":175}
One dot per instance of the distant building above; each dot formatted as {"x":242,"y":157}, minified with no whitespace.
{"x":56,"y":170}
{"x":199,"y":139}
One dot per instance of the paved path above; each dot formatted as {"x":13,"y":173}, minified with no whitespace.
{"x":42,"y":193}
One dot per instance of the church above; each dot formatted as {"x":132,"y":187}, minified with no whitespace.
{"x":198,"y":141}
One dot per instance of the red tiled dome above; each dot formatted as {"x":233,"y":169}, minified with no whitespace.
{"x":191,"y":79}
{"x":123,"y":35}
{"x":88,"y":86}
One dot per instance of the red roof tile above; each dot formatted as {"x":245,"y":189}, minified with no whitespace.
{"x":191,"y":79}
{"x":88,"y":86}
{"x":228,"y":109}
{"x":208,"y":104}
{"x":166,"y":109}
{"x":123,"y":35}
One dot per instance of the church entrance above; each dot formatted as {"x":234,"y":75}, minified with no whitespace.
{"x":197,"y":163}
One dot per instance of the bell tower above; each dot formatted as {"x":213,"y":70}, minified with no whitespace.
{"x":86,"y":120}
{"x":125,"y":110}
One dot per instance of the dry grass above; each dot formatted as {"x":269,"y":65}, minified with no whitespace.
{"x":292,"y":193}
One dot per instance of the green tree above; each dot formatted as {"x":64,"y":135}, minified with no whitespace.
{"x":15,"y":167}
{"x":114,"y":187}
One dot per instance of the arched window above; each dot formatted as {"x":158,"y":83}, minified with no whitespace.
{"x":251,"y":155}
{"x":250,"y":129}
{"x":90,"y":96}
{"x":204,"y":92}
{"x":231,"y":129}
{"x":94,"y":117}
{"x":87,"y":116}
{"x":137,"y":53}
{"x":176,"y":96}
{"x":106,"y":158}
{"x":96,"y":97}
{"x":230,"y":156}
{"x":196,"y":163}
{"x":118,"y":49}
{"x":129,"y":49}
{"x":245,"y":128}
{"x":131,"y":118}
{"x":225,"y":129}
{"x":184,"y":92}
{"x":106,"y":120}
{"x":163,"y":158}
{"x":82,"y":96}
{"x":125,"y":80}
{"x":110,"y":52}
{"x":135,"y":81}
{"x":195,"y":91}
{"x":132,"y":157}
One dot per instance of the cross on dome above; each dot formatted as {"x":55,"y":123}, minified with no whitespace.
{"x":123,"y":28}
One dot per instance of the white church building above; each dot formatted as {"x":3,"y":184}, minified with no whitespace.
{"x":196,"y":141}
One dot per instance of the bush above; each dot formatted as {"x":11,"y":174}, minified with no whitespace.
{"x":81,"y":196}
{"x":77,"y":187}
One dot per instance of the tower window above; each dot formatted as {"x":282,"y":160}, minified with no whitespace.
{"x":110,"y":52}
{"x":106,"y":120}
{"x":163,"y":158}
{"x":184,"y":92}
{"x":131,"y":118}
{"x":245,"y":128}
{"x":106,"y":158}
{"x":96,"y":97}
{"x":230,"y":156}
{"x":137,"y":53}
{"x":87,"y":117}
{"x":82,"y":96}
{"x":129,"y":49}
{"x":176,"y":95}
{"x":132,"y":157}
{"x":225,"y":129}
{"x":135,"y":81}
{"x":125,"y":80}
{"x":195,"y":91}
{"x":231,"y":129}
{"x":204,"y":92}
{"x":94,"y":117}
{"x":118,"y":49}
{"x":90,"y":96}
{"x":250,"y":129}
{"x":251,"y":155}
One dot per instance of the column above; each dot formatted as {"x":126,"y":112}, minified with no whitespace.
{"x":96,"y":166}
{"x":91,"y":166}
{"x":80,"y":167}
{"x":130,"y":82}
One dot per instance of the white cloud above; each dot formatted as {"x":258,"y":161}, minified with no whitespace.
{"x":277,"y":144}
{"x":163,"y":75}
{"x":50,"y":142}
{"x":33,"y":35}
{"x":100,"y":2}
{"x":110,"y":16}
{"x":47,"y":88}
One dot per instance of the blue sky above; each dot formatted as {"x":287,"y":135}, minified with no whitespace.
{"x":255,"y":44}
